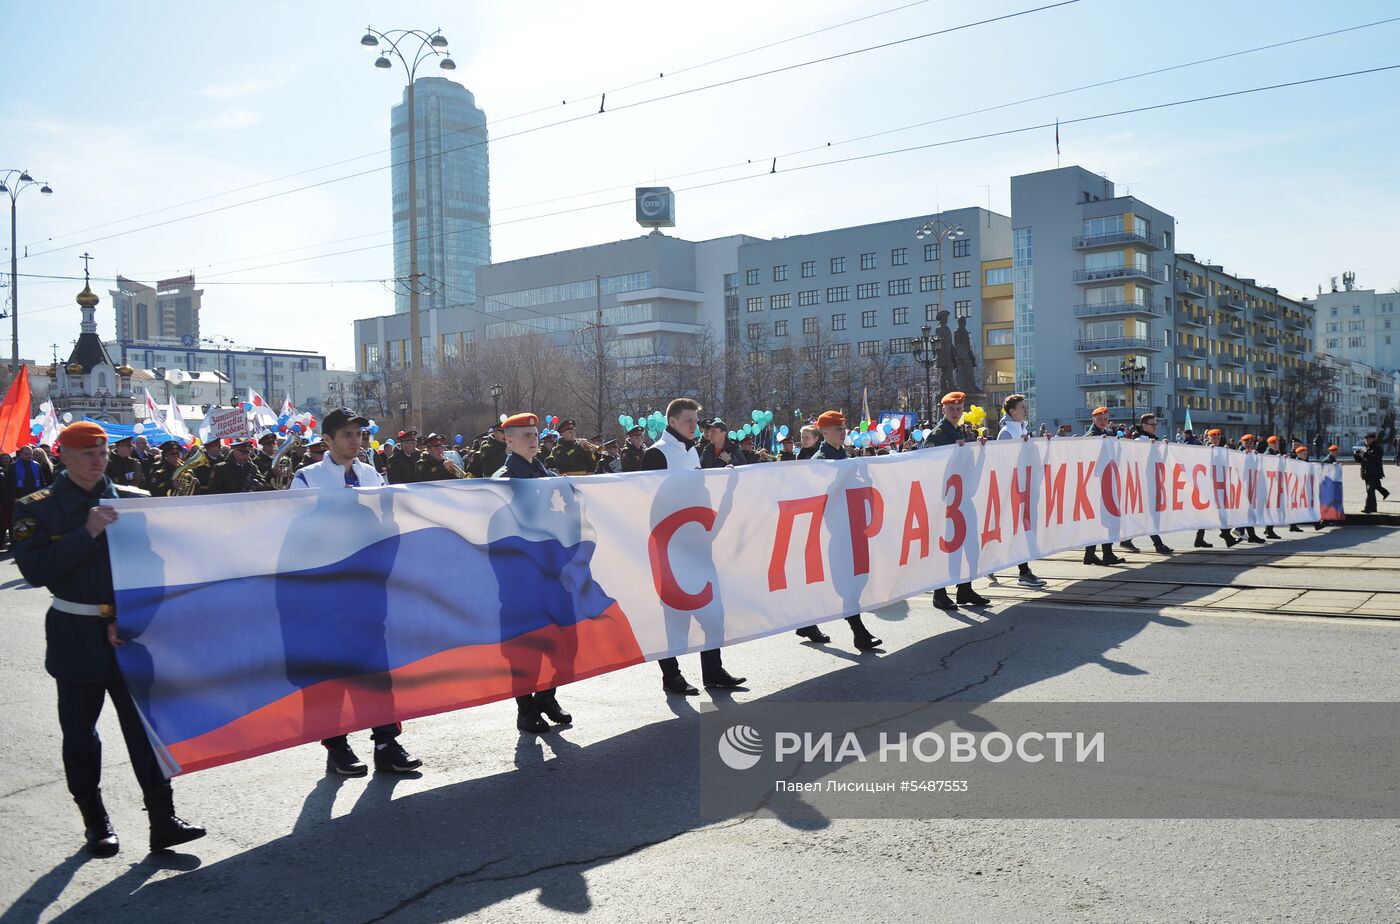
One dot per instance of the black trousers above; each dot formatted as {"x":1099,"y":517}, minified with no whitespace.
{"x":79,"y":705}
{"x":711,"y":663}
{"x":1371,"y":488}
{"x":380,"y":734}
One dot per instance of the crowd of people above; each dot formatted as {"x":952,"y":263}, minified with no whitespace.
{"x":58,"y":530}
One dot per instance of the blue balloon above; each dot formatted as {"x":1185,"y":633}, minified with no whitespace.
{"x":457,"y":439}
{"x":782,"y":431}
{"x":374,"y":428}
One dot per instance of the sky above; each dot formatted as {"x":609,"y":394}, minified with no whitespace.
{"x":147,"y":113}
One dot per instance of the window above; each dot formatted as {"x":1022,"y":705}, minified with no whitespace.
{"x":869,"y":348}
{"x":930,"y":252}
{"x":962,"y":309}
{"x":1356,"y":325}
{"x":780,"y":301}
{"x":838,"y":351}
{"x":902,"y":345}
{"x":838,"y":294}
{"x":962,"y":248}
{"x":751,"y":277}
{"x":867,"y":260}
{"x":868,"y":290}
{"x":810,"y":353}
{"x":810,"y":326}
{"x":900,"y":286}
{"x":1356,"y":341}
{"x":755,"y":331}
{"x":809,"y":269}
{"x":929,"y":311}
{"x":925,"y":283}
{"x":867,"y":319}
{"x":809,"y":297}
{"x":899,"y":256}
{"x":838,"y":264}
{"x":962,"y":280}
{"x":998,"y":276}
{"x":755,"y":303}
{"x":757,"y":358}
{"x":838,"y":321}
{"x":780,"y":328}
{"x":901,"y":316}
{"x":1000,"y":336}
{"x":780,"y":273}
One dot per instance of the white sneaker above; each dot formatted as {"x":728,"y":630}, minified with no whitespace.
{"x":1030,"y":580}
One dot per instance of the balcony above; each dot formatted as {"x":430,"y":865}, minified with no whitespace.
{"x":1190,"y":290}
{"x":1230,"y":302}
{"x":1185,"y":384}
{"x":1095,"y":345}
{"x":1116,"y":308}
{"x":1152,"y":274}
{"x":1112,"y":378}
{"x":1230,"y":359}
{"x":1118,"y":412}
{"x":1268,"y":364}
{"x":1191,"y":352}
{"x":1190,"y":319}
{"x":1295,"y":322}
{"x":1230,"y":388}
{"x":1266,"y":313}
{"x":1266,"y":338}
{"x":1090,"y":241}
{"x":1230,"y":328}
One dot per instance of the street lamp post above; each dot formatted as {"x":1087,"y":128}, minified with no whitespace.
{"x":925,"y":356}
{"x":403,"y":415}
{"x":1132,"y":374}
{"x":496,"y":391}
{"x":418,"y":47}
{"x":13,"y":183}
{"x":941,"y":231}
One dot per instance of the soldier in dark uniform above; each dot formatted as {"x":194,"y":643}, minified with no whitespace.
{"x":123,"y":467}
{"x":786,"y":454}
{"x":1372,"y":472}
{"x":267,"y":451}
{"x":522,"y":460}
{"x":952,"y":431}
{"x":633,"y":451}
{"x":1147,"y":431}
{"x":488,"y":455}
{"x":548,"y":440}
{"x":315,"y":452}
{"x":569,"y":457}
{"x":237,"y":474}
{"x":1101,"y":428}
{"x":399,"y":468}
{"x":1332,"y":451}
{"x":833,"y":429}
{"x":1271,"y":449}
{"x":610,"y":461}
{"x":1247,"y":445}
{"x":1215,"y":439}
{"x":162,"y":472}
{"x":431,"y":466}
{"x":215,"y":452}
{"x":61,"y":544}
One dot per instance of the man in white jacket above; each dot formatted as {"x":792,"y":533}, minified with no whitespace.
{"x":1014,"y":412}
{"x":343,"y":468}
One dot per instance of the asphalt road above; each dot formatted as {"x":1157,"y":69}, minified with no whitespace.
{"x":602,"y":818}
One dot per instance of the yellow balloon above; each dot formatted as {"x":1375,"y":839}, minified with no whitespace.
{"x":374,"y":444}
{"x":975,"y":415}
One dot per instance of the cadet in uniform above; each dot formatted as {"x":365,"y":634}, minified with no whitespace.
{"x":833,"y":429}
{"x":1099,"y":427}
{"x":1271,"y":449}
{"x":315,"y":452}
{"x":676,"y":449}
{"x":952,"y":431}
{"x":262,"y":459}
{"x":162,"y":472}
{"x":785,"y":454}
{"x":237,"y":474}
{"x":1147,"y":431}
{"x":399,"y":467}
{"x":634,"y":450}
{"x":430,"y":465}
{"x":522,"y":439}
{"x":570,"y":458}
{"x":123,"y":467}
{"x":1215,"y":439}
{"x":489,"y":454}
{"x":610,"y":462}
{"x":61,"y":544}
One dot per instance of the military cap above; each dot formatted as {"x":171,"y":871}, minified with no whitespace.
{"x":170,"y":446}
{"x":524,"y":419}
{"x":831,"y":419}
{"x":433,"y":439}
{"x":241,"y":443}
{"x":267,"y":438}
{"x":1212,"y":433}
{"x":954,"y":397}
{"x":1334,"y":448}
{"x":1247,"y":438}
{"x":82,"y":435}
{"x":1273,"y":440}
{"x":1098,"y":411}
{"x":123,"y":439}
{"x":567,"y":425}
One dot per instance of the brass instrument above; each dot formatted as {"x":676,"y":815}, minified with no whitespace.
{"x":279,"y":477}
{"x":454,"y":469}
{"x":183,"y":482}
{"x":588,"y":445}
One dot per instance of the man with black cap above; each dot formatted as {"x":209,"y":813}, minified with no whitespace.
{"x":400,"y":466}
{"x":634,"y":450}
{"x":569,"y":457}
{"x":720,"y":451}
{"x":61,"y":544}
{"x":786,"y":453}
{"x":161,"y":473}
{"x":237,"y":474}
{"x":488,"y":455}
{"x":610,"y":460}
{"x":267,"y":451}
{"x":1372,"y":472}
{"x":343,"y":468}
{"x":123,"y":467}
{"x":675,"y":449}
{"x":952,"y":431}
{"x":430,"y":465}
{"x":315,"y":452}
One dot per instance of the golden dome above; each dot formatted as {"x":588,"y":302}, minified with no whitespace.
{"x":125,"y":371}
{"x":88,"y":298}
{"x":75,"y":368}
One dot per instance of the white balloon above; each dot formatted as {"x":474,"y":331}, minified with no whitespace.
{"x":46,"y":407}
{"x":139,"y":429}
{"x":68,"y":417}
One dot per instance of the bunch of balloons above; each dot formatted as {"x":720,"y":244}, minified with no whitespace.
{"x":975,"y":416}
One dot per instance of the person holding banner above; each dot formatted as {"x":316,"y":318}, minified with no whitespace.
{"x":522,"y":438}
{"x":1147,"y":431}
{"x":61,"y":544}
{"x":949,"y":432}
{"x":343,"y":468}
{"x":675,"y":449}
{"x":1014,"y":412}
{"x":1247,"y":532}
{"x":811,"y":441}
{"x":1271,"y":448}
{"x":832,"y":425}
{"x":1100,"y":427}
{"x":1215,"y":440}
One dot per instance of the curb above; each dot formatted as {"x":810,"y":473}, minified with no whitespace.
{"x":1372,"y":519}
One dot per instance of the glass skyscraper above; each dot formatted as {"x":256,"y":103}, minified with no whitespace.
{"x":454,"y":199}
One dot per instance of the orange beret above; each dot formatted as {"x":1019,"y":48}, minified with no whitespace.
{"x":1098,"y":411}
{"x":1334,"y":448}
{"x":82,"y":435}
{"x":521,"y":420}
{"x":831,"y":419}
{"x":1300,"y":450}
{"x":953,"y":397}
{"x":1212,"y":433}
{"x":1247,"y":438}
{"x":1272,"y":439}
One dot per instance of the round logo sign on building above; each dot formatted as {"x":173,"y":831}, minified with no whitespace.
{"x":656,"y":207}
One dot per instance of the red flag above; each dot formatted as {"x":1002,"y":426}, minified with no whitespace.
{"x":14,"y":414}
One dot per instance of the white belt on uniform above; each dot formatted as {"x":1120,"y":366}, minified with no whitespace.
{"x":83,"y":609}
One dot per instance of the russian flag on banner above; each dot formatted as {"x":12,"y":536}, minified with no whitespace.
{"x":359,"y":608}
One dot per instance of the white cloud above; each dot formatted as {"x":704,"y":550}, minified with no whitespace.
{"x":230,"y":119}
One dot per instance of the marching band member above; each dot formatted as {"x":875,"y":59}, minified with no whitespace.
{"x":236,"y":475}
{"x":634,"y":450}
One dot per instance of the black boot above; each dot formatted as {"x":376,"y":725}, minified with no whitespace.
{"x":168,"y":829}
{"x":1270,"y":534}
{"x":813,"y":634}
{"x":1161,"y":548}
{"x":942,"y":601}
{"x":1110,"y":559}
{"x":549,"y":706}
{"x":1294,"y":528}
{"x":1128,"y":544}
{"x":970,"y":597}
{"x":864,"y":641}
{"x":527,"y":716}
{"x":1201,"y":540}
{"x":723,"y":680}
{"x":1229,"y":537}
{"x":97,"y":827}
{"x":676,"y":684}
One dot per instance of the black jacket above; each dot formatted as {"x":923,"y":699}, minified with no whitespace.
{"x":517,"y":467}
{"x":710,"y":459}
{"x":1372,"y":462}
{"x":947,"y":434}
{"x":827,"y":451}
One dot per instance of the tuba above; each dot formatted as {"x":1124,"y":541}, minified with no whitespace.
{"x":183,"y":482}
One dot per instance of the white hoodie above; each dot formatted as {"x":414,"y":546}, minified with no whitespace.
{"x":1011,"y":429}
